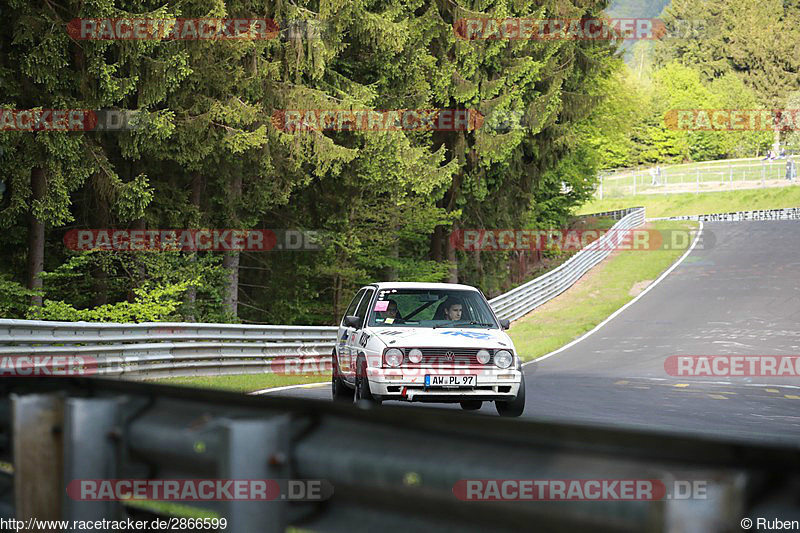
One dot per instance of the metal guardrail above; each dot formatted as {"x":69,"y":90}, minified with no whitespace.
{"x":522,"y":300}
{"x":178,"y":349}
{"x":391,"y":469}
{"x":169,"y":349}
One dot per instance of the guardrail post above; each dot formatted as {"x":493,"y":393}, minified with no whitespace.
{"x":256,"y":449}
{"x":37,"y":424}
{"x":720,"y":496}
{"x":90,"y":453}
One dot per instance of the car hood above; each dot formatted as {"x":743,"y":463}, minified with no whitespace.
{"x":443,"y":337}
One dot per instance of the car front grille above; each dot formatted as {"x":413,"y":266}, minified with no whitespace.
{"x":455,"y":356}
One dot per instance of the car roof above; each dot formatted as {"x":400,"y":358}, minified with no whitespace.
{"x":417,"y":285}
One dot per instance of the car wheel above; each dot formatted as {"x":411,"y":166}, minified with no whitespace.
{"x":362,"y":393}
{"x":339,"y":390}
{"x":471,"y":405}
{"x":513,"y":407}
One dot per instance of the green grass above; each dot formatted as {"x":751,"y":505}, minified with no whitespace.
{"x":245,"y":383}
{"x":671,"y":205}
{"x":601,"y":292}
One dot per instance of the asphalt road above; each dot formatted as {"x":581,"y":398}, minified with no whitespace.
{"x":740,"y":297}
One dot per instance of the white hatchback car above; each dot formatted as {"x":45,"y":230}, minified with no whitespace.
{"x":426,"y":342}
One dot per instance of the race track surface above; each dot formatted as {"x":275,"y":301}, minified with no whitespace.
{"x":740,"y":297}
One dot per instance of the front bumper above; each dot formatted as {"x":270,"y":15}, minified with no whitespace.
{"x":409,"y":384}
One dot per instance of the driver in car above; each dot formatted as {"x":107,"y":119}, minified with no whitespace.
{"x":392,"y":313}
{"x":452,"y":309}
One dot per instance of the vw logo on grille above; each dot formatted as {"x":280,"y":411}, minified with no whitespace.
{"x":449,"y":356}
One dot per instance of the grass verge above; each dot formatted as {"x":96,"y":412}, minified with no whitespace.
{"x":672,"y":205}
{"x":245,"y":383}
{"x":603,"y":290}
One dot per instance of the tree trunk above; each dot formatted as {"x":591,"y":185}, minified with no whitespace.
{"x":99,"y":218}
{"x":138,"y":271}
{"x":230,"y":261}
{"x":190,"y":296}
{"x":337,"y":298}
{"x":452,"y":275}
{"x":390,"y":272}
{"x":36,"y":235}
{"x":436,"y":243}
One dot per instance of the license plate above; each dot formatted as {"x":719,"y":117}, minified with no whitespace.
{"x":450,"y":381}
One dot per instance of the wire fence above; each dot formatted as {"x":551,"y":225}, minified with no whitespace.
{"x":705,"y":176}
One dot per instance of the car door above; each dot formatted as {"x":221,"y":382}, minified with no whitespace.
{"x":343,"y":337}
{"x":356,"y":342}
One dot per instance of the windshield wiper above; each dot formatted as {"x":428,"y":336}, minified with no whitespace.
{"x":456,"y":324}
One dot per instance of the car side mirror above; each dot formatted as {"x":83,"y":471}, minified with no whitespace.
{"x":505,"y":323}
{"x":352,"y":322}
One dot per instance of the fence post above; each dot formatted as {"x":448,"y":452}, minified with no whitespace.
{"x":698,"y":179}
{"x":763,"y":172}
{"x":634,"y":182}
{"x":730,"y":174}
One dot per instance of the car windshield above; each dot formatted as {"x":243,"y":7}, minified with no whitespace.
{"x":431,"y":308}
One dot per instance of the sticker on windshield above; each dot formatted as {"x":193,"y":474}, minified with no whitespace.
{"x":468,"y":334}
{"x":381,"y":305}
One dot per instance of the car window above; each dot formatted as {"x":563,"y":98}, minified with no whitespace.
{"x":427,"y":308}
{"x":363,"y":307}
{"x":351,"y":310}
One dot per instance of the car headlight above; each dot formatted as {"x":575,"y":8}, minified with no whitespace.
{"x":484,"y":356}
{"x":393,"y":357}
{"x":503,"y":359}
{"x":415,"y":355}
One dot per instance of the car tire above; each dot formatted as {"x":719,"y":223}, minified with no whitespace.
{"x":339,"y":390}
{"x":363,"y":395}
{"x":471,"y":405}
{"x":515,"y":407}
